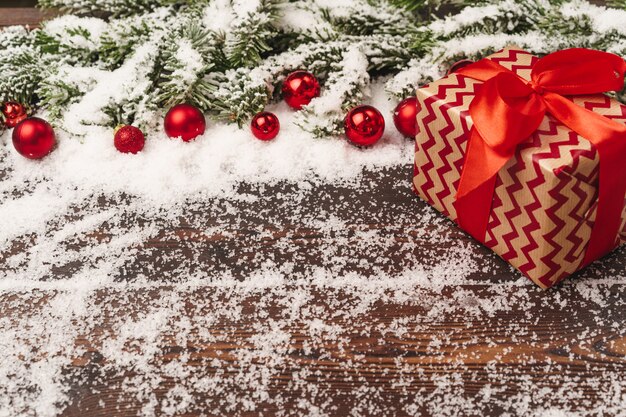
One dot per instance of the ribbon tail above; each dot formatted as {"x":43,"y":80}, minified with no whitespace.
{"x":611,"y":195}
{"x":609,"y":139}
{"x":477,"y":186}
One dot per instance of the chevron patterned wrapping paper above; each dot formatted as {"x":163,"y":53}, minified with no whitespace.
{"x":546,"y":196}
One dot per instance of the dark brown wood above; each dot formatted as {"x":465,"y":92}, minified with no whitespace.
{"x":512,"y":349}
{"x":19,"y":3}
{"x":26,"y":16}
{"x":564,"y":342}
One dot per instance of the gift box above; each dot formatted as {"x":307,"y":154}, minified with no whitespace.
{"x":541,"y":206}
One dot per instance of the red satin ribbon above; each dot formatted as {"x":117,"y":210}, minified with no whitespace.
{"x":507,"y":110}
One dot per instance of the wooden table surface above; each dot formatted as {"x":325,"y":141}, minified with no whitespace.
{"x":487,"y":346}
{"x":22,"y":16}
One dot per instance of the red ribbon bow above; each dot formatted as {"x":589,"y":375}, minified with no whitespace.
{"x":507,"y":110}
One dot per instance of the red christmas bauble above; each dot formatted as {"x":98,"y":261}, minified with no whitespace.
{"x":300,"y":88}
{"x":364,"y":125}
{"x":458,"y":65}
{"x":405,"y":117}
{"x":265,"y":126}
{"x":129,"y":139}
{"x":14,"y":114}
{"x":34,"y":138}
{"x":184,"y":121}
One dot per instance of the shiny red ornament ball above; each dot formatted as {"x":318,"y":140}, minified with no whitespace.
{"x":34,"y":138}
{"x":265,"y":126}
{"x":14,"y":114}
{"x":129,"y":139}
{"x":184,"y":121}
{"x":364,"y":125}
{"x":300,"y":88}
{"x":458,"y":65}
{"x":405,"y":117}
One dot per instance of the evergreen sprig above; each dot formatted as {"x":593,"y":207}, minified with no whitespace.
{"x":186,"y":60}
{"x":230,"y":57}
{"x":121,"y":38}
{"x":22,"y":65}
{"x":252,"y":34}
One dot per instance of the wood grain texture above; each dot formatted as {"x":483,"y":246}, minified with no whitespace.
{"x":509,"y":350}
{"x":563,"y":339}
{"x":27,"y":16}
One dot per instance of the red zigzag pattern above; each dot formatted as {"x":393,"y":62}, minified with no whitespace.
{"x":540,"y":214}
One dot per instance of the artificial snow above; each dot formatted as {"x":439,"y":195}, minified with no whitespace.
{"x":170,"y":170}
{"x":230,"y":276}
{"x":195,"y":277}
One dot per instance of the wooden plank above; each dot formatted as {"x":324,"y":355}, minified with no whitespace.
{"x":541,"y":342}
{"x":27,"y":16}
{"x":578,"y":336}
{"x":557,"y":348}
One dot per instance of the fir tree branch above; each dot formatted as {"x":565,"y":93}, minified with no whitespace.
{"x":370,"y":19}
{"x":75,"y":40}
{"x":22,"y":66}
{"x":163,"y":52}
{"x":538,"y":26}
{"x":251,"y":34}
{"x":344,"y":89}
{"x":58,"y":91}
{"x":242,"y":93}
{"x":186,"y":60}
{"x":123,"y":35}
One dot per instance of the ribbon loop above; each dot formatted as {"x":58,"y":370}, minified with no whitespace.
{"x":505,"y":112}
{"x":579,"y":71}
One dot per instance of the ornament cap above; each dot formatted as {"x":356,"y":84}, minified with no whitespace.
{"x":117,"y":128}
